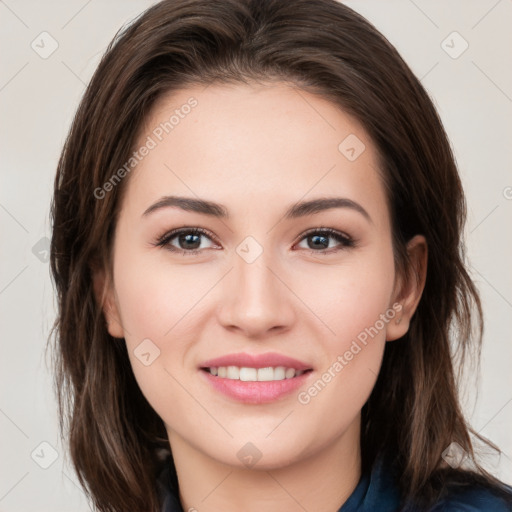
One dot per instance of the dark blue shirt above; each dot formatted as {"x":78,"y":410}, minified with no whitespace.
{"x":376,"y":492}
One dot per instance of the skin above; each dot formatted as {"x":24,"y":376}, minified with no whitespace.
{"x":257,"y":150}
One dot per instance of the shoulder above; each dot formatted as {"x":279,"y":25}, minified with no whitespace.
{"x":475,"y":499}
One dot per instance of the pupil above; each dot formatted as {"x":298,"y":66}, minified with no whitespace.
{"x":324,"y":239}
{"x":188,"y":239}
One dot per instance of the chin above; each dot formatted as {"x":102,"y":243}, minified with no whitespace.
{"x":260,"y":453}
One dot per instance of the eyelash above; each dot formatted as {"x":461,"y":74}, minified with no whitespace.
{"x":345,"y":241}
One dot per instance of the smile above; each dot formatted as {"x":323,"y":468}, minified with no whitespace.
{"x":248,"y":374}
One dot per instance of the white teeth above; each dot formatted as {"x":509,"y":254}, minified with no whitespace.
{"x":255,"y":374}
{"x":248,"y":374}
{"x":233,"y":372}
{"x":266,"y":374}
{"x":279,"y":373}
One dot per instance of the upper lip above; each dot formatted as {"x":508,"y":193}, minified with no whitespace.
{"x":243,"y":359}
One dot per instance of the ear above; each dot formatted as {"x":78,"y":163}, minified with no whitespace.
{"x":105,"y":297}
{"x":408,"y":288}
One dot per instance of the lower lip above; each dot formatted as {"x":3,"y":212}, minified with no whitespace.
{"x":255,"y":392}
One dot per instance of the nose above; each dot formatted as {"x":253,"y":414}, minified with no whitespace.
{"x":256,"y":298}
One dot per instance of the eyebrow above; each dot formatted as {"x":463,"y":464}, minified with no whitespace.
{"x":300,"y":209}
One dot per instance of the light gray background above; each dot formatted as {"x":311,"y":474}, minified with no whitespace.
{"x":38,"y":97}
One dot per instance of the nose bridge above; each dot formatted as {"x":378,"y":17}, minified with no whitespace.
{"x":258,"y":300}
{"x":256,"y":283}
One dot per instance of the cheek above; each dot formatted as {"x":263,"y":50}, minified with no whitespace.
{"x":355,"y":305}
{"x":161,"y":303}
{"x":351,"y":297}
{"x":154,"y":302}
{"x":155,"y":299}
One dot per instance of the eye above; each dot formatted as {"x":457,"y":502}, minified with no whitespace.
{"x":188,"y":240}
{"x":318,"y":240}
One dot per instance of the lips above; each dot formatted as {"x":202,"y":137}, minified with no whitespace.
{"x":255,"y":378}
{"x":269,"y":359}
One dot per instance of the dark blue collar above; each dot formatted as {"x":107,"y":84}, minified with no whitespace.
{"x":376,"y":490}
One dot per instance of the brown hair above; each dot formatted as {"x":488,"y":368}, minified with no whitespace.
{"x":324,"y":48}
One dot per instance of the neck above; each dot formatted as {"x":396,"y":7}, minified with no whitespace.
{"x":322,"y":481}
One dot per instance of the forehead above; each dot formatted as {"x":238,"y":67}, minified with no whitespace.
{"x":244,"y":144}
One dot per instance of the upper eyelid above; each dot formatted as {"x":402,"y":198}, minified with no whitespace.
{"x":166,"y":238}
{"x":329,"y":231}
{"x":187,"y":229}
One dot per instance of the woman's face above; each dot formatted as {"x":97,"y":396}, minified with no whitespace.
{"x":263,"y":279}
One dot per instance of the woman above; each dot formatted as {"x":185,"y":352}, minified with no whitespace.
{"x":257,"y":250}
